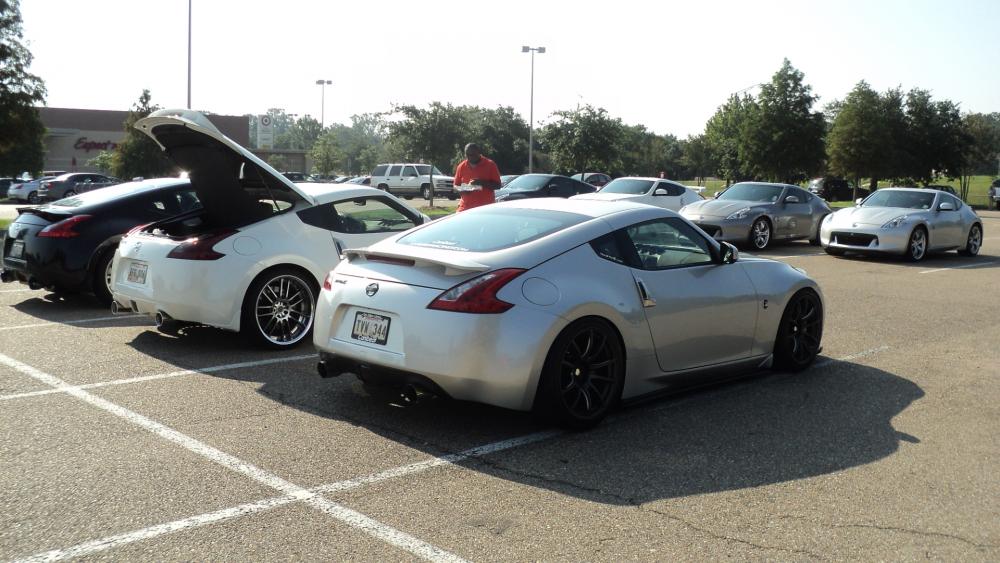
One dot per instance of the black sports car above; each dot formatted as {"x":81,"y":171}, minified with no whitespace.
{"x":542,"y":185}
{"x":68,"y":245}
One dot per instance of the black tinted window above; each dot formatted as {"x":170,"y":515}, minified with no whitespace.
{"x":672,"y":189}
{"x":607,"y":247}
{"x":379,"y":170}
{"x":394,"y":171}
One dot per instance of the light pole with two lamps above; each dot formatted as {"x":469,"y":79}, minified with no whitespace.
{"x":531,"y":114}
{"x":322,"y":103}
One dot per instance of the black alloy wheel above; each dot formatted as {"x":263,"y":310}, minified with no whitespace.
{"x":583,"y":375}
{"x":800,"y":332}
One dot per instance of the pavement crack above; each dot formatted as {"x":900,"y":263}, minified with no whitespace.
{"x":884,"y":528}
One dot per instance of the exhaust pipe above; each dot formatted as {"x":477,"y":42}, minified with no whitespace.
{"x":410,"y":395}
{"x":117,"y":309}
{"x":161,"y":318}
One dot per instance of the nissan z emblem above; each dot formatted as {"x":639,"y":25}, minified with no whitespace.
{"x":371,"y":290}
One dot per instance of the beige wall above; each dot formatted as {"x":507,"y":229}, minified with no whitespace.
{"x":70,"y":149}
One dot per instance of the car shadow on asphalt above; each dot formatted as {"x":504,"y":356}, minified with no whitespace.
{"x":765,"y":429}
{"x":76,"y":307}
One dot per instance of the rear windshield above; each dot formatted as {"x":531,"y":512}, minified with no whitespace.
{"x":627,"y":186}
{"x":103,"y":195}
{"x":489,"y":229}
{"x":527,"y":183}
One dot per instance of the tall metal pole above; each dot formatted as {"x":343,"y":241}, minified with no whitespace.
{"x":189,"y":54}
{"x":322,"y":105}
{"x":531,"y":117}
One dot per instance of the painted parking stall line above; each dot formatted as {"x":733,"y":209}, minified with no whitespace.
{"x":964,"y":266}
{"x":159,"y":376}
{"x":70,"y":322}
{"x":343,"y":514}
{"x":247,"y":509}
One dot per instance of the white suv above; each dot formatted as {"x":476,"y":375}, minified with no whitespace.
{"x":412,"y":179}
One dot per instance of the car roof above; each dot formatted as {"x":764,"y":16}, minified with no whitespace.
{"x":650,"y":178}
{"x":325,"y":192}
{"x":589,"y":207}
{"x":905,"y":189}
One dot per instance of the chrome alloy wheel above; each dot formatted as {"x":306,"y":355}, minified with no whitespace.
{"x":760,"y":234}
{"x":587,"y":376}
{"x":975,"y":241}
{"x":107,"y":276}
{"x":918,"y":244}
{"x":284,"y":309}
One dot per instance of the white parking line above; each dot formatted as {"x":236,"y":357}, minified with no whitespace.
{"x":140,"y":379}
{"x":247,"y":509}
{"x":791,"y":256}
{"x":976,"y":265}
{"x":346,"y":515}
{"x":72,"y":322}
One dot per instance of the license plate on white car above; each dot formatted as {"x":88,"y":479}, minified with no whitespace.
{"x":137,"y":273}
{"x":369,"y":327}
{"x":17,"y":249}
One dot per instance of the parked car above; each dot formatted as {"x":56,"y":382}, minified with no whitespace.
{"x":68,"y":185}
{"x":362,"y":180}
{"x":993,"y":195}
{"x":834,"y":189}
{"x":297,"y":176}
{"x":506,"y":178}
{"x":904,"y":221}
{"x":253,"y":257}
{"x":563,"y":306}
{"x":542,"y":185}
{"x":757,"y":214}
{"x":5,"y":185}
{"x":68,"y":245}
{"x":413,"y":179}
{"x":27,"y":191}
{"x":651,"y":191}
{"x":942,"y":188}
{"x":598,"y":179}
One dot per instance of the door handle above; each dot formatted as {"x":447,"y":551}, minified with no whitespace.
{"x":647,"y":301}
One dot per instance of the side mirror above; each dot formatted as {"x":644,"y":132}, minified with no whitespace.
{"x":792,"y":199}
{"x":859,"y":200}
{"x":728,"y":253}
{"x":946,"y":206}
{"x":660,"y":191}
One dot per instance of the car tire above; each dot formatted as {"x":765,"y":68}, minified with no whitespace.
{"x":33,"y":198}
{"x":916,"y":248}
{"x":834,"y":251}
{"x":974,"y":242}
{"x":583,"y":375}
{"x":279,"y":308}
{"x":69,"y":193}
{"x":815,"y":239}
{"x":760,"y":234}
{"x":800,"y":332}
{"x":383,"y":187}
{"x":101,"y":282}
{"x":425,"y":191}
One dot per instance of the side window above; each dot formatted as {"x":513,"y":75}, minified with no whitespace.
{"x":394,"y":171}
{"x":668,"y":243}
{"x":409,"y":172}
{"x":672,"y":189}
{"x":379,"y":170}
{"x":583,"y":188}
{"x":608,"y":248}
{"x":370,"y":215}
{"x":803,"y":195}
{"x":954,"y":200}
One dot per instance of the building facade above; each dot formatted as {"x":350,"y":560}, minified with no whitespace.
{"x":74,"y":136}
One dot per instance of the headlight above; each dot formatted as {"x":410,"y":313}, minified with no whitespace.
{"x":741,"y":214}
{"x":895,"y":222}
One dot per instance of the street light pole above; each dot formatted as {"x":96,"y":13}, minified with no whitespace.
{"x":189,"y":54}
{"x":531,"y":111}
{"x":322,"y":102}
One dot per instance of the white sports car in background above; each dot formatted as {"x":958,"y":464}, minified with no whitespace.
{"x":252,"y":258}
{"x":651,"y":191}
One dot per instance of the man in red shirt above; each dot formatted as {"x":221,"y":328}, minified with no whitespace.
{"x":479,"y":173}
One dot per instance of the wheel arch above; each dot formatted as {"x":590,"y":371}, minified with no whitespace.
{"x":308,"y":271}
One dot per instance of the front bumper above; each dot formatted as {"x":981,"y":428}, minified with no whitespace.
{"x":865,"y":238}
{"x":721,"y":229}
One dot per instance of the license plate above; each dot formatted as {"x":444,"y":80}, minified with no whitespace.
{"x":17,"y":249}
{"x":369,"y":327}
{"x":137,"y":273}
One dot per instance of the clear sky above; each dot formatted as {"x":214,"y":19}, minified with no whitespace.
{"x":665,"y":64}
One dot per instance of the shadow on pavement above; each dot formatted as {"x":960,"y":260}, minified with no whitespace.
{"x":771,"y":428}
{"x":62,"y":307}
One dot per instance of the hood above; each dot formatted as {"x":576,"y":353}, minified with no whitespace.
{"x":719,"y":208}
{"x":876,"y":216}
{"x":225,"y":175}
{"x":607,"y":196}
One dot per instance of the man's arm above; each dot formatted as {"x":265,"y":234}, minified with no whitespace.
{"x":492,"y":181}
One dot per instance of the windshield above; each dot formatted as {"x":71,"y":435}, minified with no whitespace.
{"x":752,"y":192}
{"x":425,"y":169}
{"x":491,"y":229}
{"x":527,"y":183}
{"x":627,"y":186}
{"x":905,"y":200}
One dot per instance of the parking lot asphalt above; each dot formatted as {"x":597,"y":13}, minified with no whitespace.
{"x":124,"y":443}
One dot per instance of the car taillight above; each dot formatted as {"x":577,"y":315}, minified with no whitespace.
{"x":64,"y":228}
{"x":326,"y":283}
{"x":200,"y":247}
{"x":478,"y":295}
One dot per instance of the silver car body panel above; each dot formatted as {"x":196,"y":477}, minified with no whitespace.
{"x":861,"y":228}
{"x":729,"y":312}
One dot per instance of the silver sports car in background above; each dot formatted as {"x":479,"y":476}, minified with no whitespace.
{"x":563,"y":306}
{"x":757,"y":213}
{"x":906,"y":221}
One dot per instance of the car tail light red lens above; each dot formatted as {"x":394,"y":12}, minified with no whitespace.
{"x":200,"y":247}
{"x":64,"y":228}
{"x":478,"y":295}
{"x":326,"y":283}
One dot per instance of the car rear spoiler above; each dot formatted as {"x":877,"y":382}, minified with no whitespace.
{"x":452,"y":266}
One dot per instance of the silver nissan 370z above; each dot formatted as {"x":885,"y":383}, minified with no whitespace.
{"x":562,"y":306}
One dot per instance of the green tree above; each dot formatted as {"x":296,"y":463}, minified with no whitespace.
{"x":104,"y":161}
{"x":21,"y":129}
{"x":503,"y":135}
{"x":326,"y":154}
{"x":586,"y":139}
{"x":301,"y":134}
{"x":860,"y":142}
{"x":725,"y":135}
{"x":935,"y":140}
{"x":784,"y":140}
{"x":697,"y":158}
{"x":138,"y":155}
{"x":983,"y":148}
{"x":434,"y":135}
{"x":278,"y":162}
